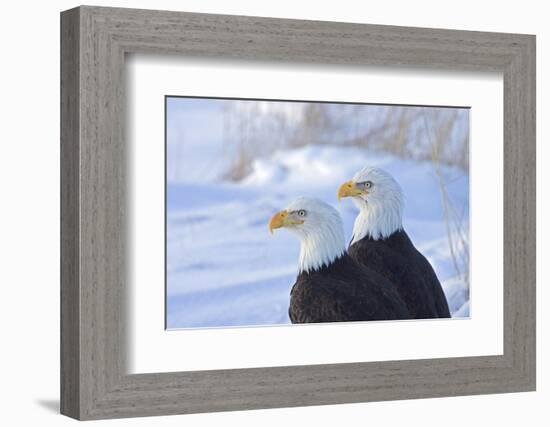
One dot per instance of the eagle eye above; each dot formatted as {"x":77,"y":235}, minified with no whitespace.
{"x":301,"y":213}
{"x":367,"y":184}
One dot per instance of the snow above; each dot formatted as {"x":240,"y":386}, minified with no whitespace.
{"x":225,"y":269}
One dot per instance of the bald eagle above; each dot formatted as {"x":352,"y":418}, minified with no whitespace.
{"x":331,"y":286}
{"x":380,"y":243}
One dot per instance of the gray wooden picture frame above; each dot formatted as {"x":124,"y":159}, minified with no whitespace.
{"x":94,"y":41}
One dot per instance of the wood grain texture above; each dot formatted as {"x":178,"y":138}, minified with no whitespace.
{"x":94,"y":270}
{"x":70,"y":221}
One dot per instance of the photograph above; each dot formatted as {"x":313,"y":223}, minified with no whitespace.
{"x":281,"y":212}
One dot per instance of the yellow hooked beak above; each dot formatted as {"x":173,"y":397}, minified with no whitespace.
{"x":282,"y":219}
{"x":349,"y":189}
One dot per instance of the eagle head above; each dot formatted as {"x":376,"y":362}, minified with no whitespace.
{"x":380,"y":201}
{"x":319,"y":228}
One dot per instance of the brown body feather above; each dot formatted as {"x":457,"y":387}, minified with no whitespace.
{"x":396,"y":258}
{"x":344,"y":291}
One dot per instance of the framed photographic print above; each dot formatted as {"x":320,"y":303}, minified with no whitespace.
{"x":262,"y":213}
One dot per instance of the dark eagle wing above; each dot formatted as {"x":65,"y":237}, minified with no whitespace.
{"x":399,"y":261}
{"x":350,"y":296}
{"x":311,"y":302}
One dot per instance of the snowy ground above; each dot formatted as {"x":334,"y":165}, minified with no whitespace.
{"x":225,"y":269}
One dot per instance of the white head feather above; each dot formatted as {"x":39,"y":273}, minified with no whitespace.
{"x":381,"y":210}
{"x":321,"y":235}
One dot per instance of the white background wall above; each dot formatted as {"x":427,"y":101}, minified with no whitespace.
{"x":29,"y":211}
